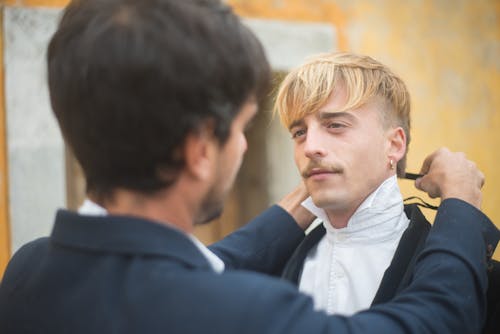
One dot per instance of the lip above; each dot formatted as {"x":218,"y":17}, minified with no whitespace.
{"x":319,"y":174}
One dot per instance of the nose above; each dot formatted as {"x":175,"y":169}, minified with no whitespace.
{"x":314,"y":145}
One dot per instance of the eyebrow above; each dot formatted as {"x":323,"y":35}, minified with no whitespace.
{"x":336,"y":114}
{"x":296,"y":123}
{"x":324,"y":114}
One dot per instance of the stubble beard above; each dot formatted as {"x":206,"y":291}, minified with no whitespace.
{"x":211,"y":207}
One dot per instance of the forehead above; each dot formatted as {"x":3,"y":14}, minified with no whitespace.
{"x":301,"y":103}
{"x":338,"y":105}
{"x":302,"y":98}
{"x":336,"y":102}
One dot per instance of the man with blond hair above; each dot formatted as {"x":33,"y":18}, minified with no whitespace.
{"x":349,"y":117}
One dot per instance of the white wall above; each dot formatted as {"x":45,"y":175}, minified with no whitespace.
{"x":35,"y":148}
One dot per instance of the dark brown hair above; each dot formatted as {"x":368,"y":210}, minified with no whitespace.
{"x":130,"y":79}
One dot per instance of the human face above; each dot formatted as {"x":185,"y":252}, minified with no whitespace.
{"x":229,"y":162}
{"x":342,"y":156}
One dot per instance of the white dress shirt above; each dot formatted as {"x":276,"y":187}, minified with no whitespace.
{"x":93,"y":209}
{"x":343,"y":271}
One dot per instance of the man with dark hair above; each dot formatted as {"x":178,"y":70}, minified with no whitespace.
{"x":153,"y":97}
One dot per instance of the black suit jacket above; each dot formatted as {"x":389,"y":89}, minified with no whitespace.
{"x":400,"y":272}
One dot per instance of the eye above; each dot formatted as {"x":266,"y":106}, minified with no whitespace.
{"x":298,"y":133}
{"x":335,"y":125}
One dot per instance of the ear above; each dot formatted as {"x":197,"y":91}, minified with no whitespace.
{"x":396,"y":144}
{"x":200,"y":152}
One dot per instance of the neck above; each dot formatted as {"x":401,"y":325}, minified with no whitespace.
{"x":340,"y":218}
{"x":166,"y":206}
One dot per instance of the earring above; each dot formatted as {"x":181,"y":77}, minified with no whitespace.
{"x":391,"y":163}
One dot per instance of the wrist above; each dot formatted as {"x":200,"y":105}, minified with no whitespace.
{"x":473,"y":197}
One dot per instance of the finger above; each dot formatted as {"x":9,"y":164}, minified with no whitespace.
{"x":428,"y":161}
{"x":417,"y":183}
{"x":433,"y":195}
{"x":426,"y":184}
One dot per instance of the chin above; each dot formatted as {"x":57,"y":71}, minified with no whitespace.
{"x":210,"y":216}
{"x":321,"y":202}
{"x":211,"y":209}
{"x":324,"y":201}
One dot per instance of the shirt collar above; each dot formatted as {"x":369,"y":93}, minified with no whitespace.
{"x":90,"y":208}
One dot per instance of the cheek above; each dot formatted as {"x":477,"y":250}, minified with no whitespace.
{"x":297,"y":155}
{"x":244,"y":143}
{"x":372,"y":162}
{"x":239,"y":147}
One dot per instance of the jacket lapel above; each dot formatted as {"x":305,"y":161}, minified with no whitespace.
{"x":399,"y":273}
{"x":293,"y":268}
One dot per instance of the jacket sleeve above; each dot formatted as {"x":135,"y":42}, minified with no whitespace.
{"x":493,"y":297}
{"x":263,"y":245}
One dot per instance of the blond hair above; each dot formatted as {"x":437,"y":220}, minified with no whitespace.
{"x":308,"y":87}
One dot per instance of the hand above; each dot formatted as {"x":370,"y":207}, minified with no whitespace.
{"x":292,"y":204}
{"x":451,"y":175}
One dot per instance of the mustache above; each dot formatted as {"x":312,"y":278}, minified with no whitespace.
{"x":313,"y":167}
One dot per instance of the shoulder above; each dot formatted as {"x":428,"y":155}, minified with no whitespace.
{"x":31,"y":246}
{"x":234,"y":301}
{"x":27,"y":256}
